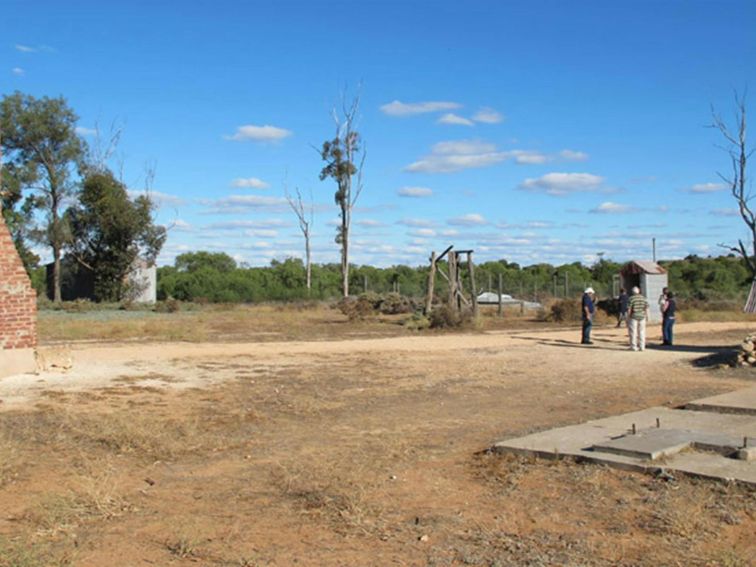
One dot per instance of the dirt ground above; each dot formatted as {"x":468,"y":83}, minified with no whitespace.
{"x":357,"y":451}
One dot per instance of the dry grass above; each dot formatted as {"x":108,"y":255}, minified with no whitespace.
{"x":10,"y":459}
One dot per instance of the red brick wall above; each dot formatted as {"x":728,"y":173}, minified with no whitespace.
{"x":18,"y":301}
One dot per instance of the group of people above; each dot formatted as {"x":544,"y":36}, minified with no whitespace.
{"x":633,"y":311}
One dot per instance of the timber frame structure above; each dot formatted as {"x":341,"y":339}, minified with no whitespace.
{"x":454,"y":278}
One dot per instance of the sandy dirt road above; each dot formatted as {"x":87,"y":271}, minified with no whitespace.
{"x":98,"y":365}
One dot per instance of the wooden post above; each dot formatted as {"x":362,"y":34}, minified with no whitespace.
{"x":431,"y":284}
{"x":471,"y":267}
{"x":490,"y":285}
{"x":566,"y":285}
{"x":555,"y":286}
{"x":501,"y":304}
{"x":364,"y":283}
{"x":452,"y":280}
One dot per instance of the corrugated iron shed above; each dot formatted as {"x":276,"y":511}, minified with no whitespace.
{"x":642,"y":267}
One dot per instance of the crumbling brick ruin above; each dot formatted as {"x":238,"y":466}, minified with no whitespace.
{"x":18,"y":310}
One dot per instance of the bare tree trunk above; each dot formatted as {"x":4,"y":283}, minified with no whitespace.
{"x":737,"y":148}
{"x":344,"y":256}
{"x":57,"y":298}
{"x":308,"y":261}
{"x":55,"y":243}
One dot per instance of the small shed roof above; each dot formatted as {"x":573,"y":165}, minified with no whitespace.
{"x":642,"y":267}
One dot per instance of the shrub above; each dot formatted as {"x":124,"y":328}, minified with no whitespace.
{"x":444,"y":317}
{"x":394,"y":304}
{"x":357,"y":309}
{"x":170,"y":305}
{"x":417,"y":322}
{"x":566,"y":311}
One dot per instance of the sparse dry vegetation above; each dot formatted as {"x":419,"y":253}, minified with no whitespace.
{"x":356,"y":457}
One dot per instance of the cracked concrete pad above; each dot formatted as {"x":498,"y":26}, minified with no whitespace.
{"x":578,"y":441}
{"x":740,"y":401}
{"x":657,"y":443}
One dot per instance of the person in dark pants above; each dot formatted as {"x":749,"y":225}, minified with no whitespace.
{"x":588,"y":309}
{"x":668,"y":320}
{"x":622,"y":302}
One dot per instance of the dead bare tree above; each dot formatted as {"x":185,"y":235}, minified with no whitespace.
{"x":736,"y":147}
{"x":345,"y":157}
{"x":305,"y":213}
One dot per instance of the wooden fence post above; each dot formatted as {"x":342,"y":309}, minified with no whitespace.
{"x":431,"y":284}
{"x":471,"y":268}
{"x":501,"y":304}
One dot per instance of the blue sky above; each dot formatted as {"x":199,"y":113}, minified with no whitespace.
{"x":530,"y":131}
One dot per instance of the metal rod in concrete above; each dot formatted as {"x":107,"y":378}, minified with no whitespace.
{"x":633,"y":429}
{"x":658,"y":423}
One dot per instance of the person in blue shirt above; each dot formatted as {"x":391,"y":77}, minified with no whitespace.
{"x":622,"y":302}
{"x":668,"y":320}
{"x":588,"y":309}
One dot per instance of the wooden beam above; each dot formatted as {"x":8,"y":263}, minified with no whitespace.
{"x":471,"y":268}
{"x":444,"y":253}
{"x":431,"y":284}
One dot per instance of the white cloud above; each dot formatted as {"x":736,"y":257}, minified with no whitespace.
{"x":261,"y":233}
{"x":181,"y":225}
{"x":416,"y":222}
{"x":610,"y":208}
{"x":724,"y":212}
{"x":451,"y":118}
{"x":157,"y":197}
{"x":447,"y":157}
{"x":529,"y":157}
{"x":455,"y":155}
{"x":259,"y":133}
{"x":470,"y":219}
{"x":424,"y":232}
{"x":398,"y":108}
{"x":18,"y":71}
{"x":249,"y":183}
{"x":369,"y":223}
{"x":415,"y":192}
{"x":33,"y":48}
{"x":243,"y":203}
{"x":450,"y":232}
{"x":572,"y":155}
{"x":706,"y":188}
{"x":267,"y":223}
{"x":83,"y":131}
{"x":487,"y":116}
{"x":559,"y":184}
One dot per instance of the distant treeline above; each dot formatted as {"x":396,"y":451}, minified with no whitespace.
{"x":217,"y":278}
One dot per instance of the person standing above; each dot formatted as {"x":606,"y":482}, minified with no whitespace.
{"x":588,"y":308}
{"x":622,"y":302}
{"x":662,"y":303}
{"x":668,"y":321}
{"x":637,"y":315}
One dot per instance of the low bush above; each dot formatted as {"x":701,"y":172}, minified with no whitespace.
{"x":444,"y":317}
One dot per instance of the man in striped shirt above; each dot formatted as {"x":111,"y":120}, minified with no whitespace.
{"x":636,"y":316}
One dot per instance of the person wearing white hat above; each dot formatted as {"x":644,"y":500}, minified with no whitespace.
{"x":588,"y":309}
{"x":636,"y":317}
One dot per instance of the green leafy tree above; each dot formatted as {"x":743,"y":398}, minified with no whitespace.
{"x":195,"y":261}
{"x":39,"y":141}
{"x":17,"y":214}
{"x":110,"y":231}
{"x":344,"y":156}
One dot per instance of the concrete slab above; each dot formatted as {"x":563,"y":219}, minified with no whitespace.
{"x":740,"y":401}
{"x":578,"y":441}
{"x":657,"y":443}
